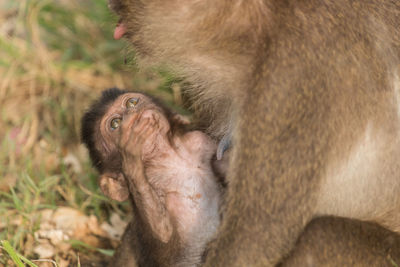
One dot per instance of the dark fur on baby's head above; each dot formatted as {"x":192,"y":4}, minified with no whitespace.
{"x":89,"y":123}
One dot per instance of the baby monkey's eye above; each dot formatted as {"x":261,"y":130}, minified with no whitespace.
{"x":132,"y":102}
{"x":115,"y":123}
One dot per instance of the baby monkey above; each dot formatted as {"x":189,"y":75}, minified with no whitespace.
{"x":143,"y":152}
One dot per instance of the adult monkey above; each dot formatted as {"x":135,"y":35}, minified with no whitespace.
{"x":311,"y":90}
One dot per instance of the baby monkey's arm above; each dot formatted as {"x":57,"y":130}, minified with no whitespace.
{"x":151,"y":205}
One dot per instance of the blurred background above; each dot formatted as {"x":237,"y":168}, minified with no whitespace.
{"x":56,"y":56}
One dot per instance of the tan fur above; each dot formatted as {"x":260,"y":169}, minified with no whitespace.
{"x":361,"y":185}
{"x":342,"y":242}
{"x":298,"y":83}
{"x":325,"y":242}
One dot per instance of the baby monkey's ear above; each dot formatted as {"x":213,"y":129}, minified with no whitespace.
{"x":114,"y":186}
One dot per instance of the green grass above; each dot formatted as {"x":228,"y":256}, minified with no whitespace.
{"x":55,"y":58}
{"x":17,"y":258}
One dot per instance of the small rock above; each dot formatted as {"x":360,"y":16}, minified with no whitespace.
{"x":44,"y":250}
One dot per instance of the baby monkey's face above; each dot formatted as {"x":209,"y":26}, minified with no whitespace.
{"x":129,"y":108}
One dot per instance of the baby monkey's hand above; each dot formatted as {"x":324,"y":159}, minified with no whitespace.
{"x":137,"y":134}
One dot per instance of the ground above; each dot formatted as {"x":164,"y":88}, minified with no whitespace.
{"x":56,"y":56}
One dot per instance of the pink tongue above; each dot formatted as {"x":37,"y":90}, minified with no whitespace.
{"x":119,"y":31}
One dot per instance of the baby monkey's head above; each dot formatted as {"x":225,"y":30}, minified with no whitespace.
{"x":102,"y":123}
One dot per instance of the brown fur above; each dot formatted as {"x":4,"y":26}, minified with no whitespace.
{"x":342,"y":242}
{"x":310,"y":90}
{"x":325,"y":242}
